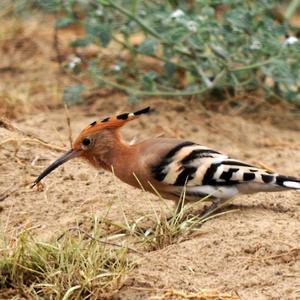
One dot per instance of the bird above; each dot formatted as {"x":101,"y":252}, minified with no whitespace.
{"x":169,"y":165}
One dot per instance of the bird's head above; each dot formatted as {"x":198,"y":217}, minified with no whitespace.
{"x":96,"y":139}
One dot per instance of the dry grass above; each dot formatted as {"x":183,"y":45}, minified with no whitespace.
{"x":81,"y":265}
{"x":161,"y":229}
{"x":73,"y":267}
{"x":89,"y":265}
{"x":201,"y":295}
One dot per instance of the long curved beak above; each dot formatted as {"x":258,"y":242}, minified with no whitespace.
{"x":65,"y":157}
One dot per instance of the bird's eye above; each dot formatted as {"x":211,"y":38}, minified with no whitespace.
{"x":86,"y":141}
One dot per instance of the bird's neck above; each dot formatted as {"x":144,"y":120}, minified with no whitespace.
{"x":118,"y":157}
{"x":122,"y":156}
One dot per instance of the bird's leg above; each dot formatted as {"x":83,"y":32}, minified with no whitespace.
{"x":215,"y":205}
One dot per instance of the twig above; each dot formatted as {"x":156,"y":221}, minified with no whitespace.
{"x":249,"y":67}
{"x":136,"y":19}
{"x":69,"y":125}
{"x":97,"y":240}
{"x":30,"y":138}
{"x":264,"y":166}
{"x":33,"y":141}
{"x":7,"y":125}
{"x":202,"y":294}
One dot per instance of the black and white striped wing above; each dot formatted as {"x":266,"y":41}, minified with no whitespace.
{"x":185,"y":164}
{"x":207,"y":172}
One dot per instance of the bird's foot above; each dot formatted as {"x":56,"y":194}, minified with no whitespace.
{"x":215,"y":205}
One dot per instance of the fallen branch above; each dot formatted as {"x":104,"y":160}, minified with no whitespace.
{"x":32,"y":141}
{"x":30,"y":138}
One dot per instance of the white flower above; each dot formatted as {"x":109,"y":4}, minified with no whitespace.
{"x":191,"y":26}
{"x":290,"y":41}
{"x":176,"y":14}
{"x":256,"y":45}
{"x":117,"y":68}
{"x":99,"y":12}
{"x":74,"y":61}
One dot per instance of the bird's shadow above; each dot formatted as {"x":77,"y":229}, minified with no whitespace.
{"x":278,"y":208}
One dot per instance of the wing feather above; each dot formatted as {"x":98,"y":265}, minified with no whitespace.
{"x":205,"y":171}
{"x":193,"y":165}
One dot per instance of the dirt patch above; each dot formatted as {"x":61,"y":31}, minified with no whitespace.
{"x":253,"y":252}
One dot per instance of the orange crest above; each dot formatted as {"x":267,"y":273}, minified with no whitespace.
{"x":115,"y":121}
{"x":111,"y":122}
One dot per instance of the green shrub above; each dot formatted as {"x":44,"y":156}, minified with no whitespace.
{"x":229,"y":46}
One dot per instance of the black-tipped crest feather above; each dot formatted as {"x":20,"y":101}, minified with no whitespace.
{"x":105,"y":120}
{"x":123,"y":116}
{"x":142,"y":111}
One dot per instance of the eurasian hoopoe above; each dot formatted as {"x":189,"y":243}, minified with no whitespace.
{"x":168,"y":165}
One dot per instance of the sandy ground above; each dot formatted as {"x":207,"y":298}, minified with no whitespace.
{"x":254,"y":251}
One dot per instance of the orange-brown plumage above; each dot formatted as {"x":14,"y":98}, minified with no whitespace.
{"x":168,"y":165}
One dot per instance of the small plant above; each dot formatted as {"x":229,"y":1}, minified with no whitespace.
{"x":180,"y":226}
{"x":200,"y":47}
{"x":197,"y":49}
{"x":157,"y":231}
{"x":70,"y":268}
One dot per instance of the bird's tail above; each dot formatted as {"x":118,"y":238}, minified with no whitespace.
{"x":288,"y":182}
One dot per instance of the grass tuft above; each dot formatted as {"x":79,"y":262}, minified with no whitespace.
{"x":157,"y":231}
{"x":177,"y":227}
{"x":92,"y":265}
{"x":71,"y":268}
